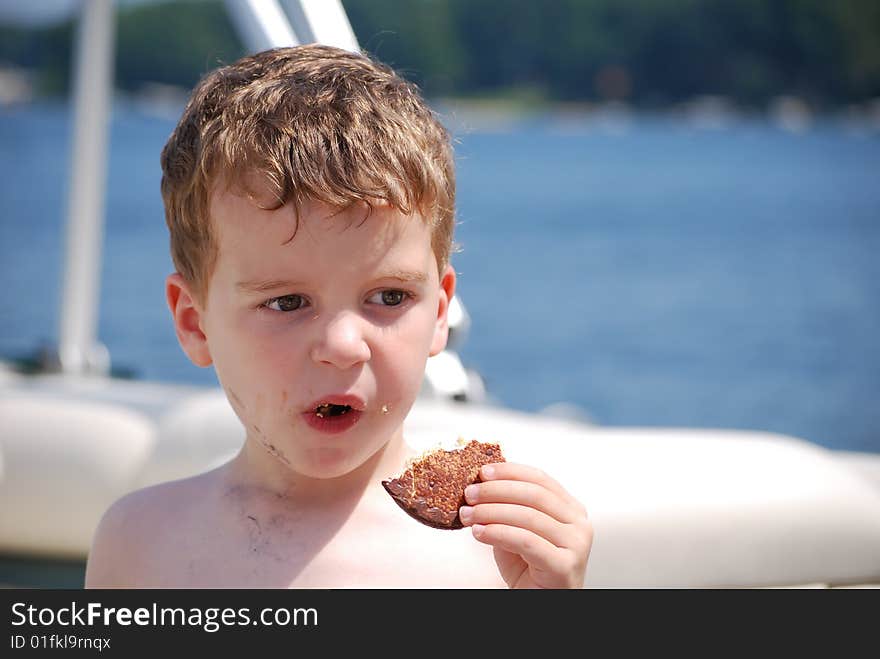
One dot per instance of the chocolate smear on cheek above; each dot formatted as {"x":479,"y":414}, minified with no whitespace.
{"x":276,"y":453}
{"x":269,"y":446}
{"x":236,"y":402}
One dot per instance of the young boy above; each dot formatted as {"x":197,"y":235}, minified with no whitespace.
{"x":309,"y":194}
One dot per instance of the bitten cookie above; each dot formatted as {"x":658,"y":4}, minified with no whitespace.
{"x":431,"y":489}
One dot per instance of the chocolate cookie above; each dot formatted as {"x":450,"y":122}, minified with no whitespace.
{"x":431,"y":489}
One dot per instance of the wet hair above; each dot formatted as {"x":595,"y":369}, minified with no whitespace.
{"x":307,"y":123}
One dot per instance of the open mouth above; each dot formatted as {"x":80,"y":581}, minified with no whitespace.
{"x":334,"y":414}
{"x":331,"y":409}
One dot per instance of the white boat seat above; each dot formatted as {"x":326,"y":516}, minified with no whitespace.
{"x":64,"y":461}
{"x":670,"y":507}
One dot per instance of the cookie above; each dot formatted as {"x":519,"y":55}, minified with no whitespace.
{"x":431,"y":489}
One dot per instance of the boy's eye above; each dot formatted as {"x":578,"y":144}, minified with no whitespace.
{"x":389,"y":298}
{"x":285,"y":303}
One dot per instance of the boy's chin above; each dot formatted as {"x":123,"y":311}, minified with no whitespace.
{"x":327,"y":463}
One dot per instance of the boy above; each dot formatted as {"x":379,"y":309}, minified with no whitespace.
{"x":309,"y":194}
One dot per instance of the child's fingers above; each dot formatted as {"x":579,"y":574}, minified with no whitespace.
{"x":521,"y":511}
{"x":524,"y":493}
{"x":530,"y":519}
{"x":540,"y":554}
{"x":519,"y":472}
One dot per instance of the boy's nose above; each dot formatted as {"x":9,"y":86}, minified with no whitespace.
{"x":341,"y":343}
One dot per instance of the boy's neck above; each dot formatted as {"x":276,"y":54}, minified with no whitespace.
{"x":255,"y":470}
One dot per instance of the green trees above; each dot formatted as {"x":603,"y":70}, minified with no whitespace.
{"x":645,"y":52}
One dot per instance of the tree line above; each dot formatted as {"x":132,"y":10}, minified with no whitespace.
{"x":648,"y":53}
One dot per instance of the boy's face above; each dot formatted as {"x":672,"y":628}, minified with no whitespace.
{"x":320,"y":342}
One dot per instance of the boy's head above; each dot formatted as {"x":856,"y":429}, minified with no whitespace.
{"x":298,"y":125}
{"x":309,"y":193}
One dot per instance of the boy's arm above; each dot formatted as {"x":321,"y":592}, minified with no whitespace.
{"x":540,"y":533}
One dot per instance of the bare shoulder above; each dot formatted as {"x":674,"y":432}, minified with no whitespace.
{"x":136,"y":527}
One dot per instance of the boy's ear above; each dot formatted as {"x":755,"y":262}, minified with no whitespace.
{"x":441,"y":328}
{"x":187,"y":320}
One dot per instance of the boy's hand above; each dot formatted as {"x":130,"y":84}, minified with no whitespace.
{"x":540,"y":533}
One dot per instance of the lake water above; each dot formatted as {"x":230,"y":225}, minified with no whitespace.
{"x":650,"y":271}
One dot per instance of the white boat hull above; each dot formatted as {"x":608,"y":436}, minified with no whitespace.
{"x":670,"y":507}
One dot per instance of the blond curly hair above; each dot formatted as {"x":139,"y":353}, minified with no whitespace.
{"x":313,"y":123}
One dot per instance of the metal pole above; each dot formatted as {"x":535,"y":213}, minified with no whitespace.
{"x":79,"y":350}
{"x":321,"y":21}
{"x":261,"y":24}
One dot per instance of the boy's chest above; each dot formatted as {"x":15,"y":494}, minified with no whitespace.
{"x":404,"y":556}
{"x":368,"y":550}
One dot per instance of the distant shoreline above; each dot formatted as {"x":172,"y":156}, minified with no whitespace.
{"x":501,"y":111}
{"x":708,"y":112}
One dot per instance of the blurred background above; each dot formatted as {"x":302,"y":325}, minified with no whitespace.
{"x":669,"y":210}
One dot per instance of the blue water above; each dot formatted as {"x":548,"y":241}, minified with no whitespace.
{"x":654,"y":274}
